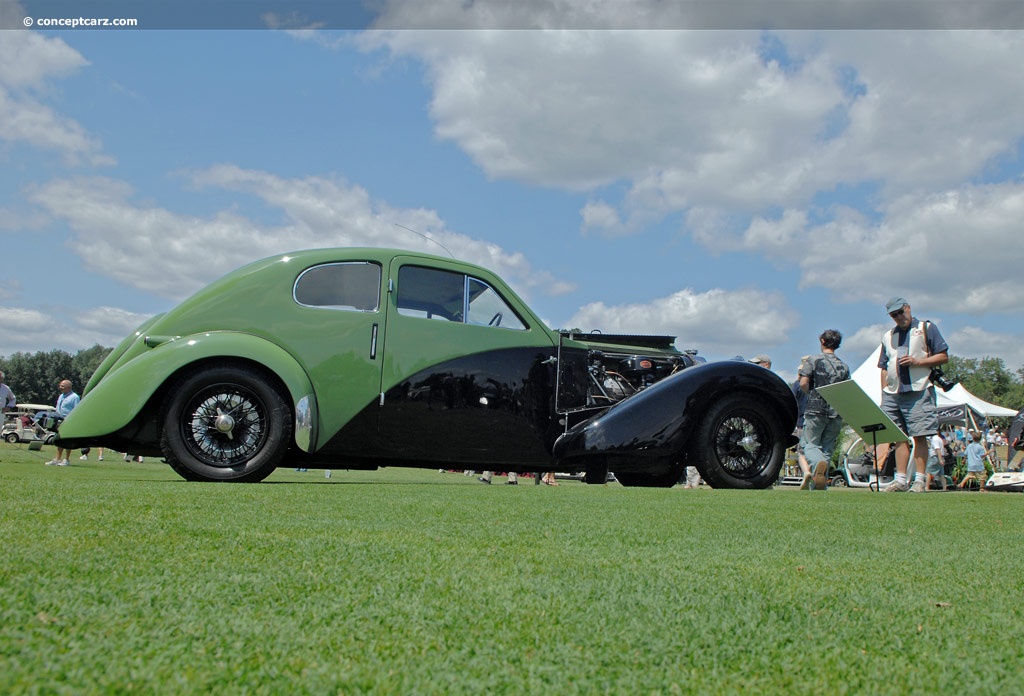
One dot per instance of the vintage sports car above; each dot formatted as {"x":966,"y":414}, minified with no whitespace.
{"x":359,"y":358}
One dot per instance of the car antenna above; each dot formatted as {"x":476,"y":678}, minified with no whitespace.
{"x":429,"y":239}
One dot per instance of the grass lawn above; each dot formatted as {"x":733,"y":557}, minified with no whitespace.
{"x":119,"y":577}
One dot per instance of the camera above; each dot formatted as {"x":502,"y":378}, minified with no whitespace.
{"x":939,"y":379}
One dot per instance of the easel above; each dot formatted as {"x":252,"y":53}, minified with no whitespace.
{"x":864,"y":416}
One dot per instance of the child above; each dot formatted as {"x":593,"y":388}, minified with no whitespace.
{"x":936,"y":455}
{"x":975,"y":452}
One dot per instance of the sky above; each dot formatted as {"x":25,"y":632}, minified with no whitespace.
{"x":740,"y":175}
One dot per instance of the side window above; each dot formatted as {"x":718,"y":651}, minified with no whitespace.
{"x":351,"y":286}
{"x":430,"y":293}
{"x":488,"y":308}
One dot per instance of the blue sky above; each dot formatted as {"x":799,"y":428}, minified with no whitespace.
{"x":742,"y":189}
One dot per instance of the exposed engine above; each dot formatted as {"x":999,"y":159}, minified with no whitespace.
{"x":614,"y":376}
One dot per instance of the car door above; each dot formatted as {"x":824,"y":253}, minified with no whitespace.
{"x":467,"y":372}
{"x":339,"y":328}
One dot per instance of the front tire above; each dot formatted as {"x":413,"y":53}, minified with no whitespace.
{"x":13,"y":438}
{"x":225,"y":423}
{"x":740,"y":443}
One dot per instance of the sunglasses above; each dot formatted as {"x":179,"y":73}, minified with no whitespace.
{"x":897,"y":313}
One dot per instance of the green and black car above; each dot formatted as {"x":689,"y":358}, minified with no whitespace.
{"x":358,"y":358}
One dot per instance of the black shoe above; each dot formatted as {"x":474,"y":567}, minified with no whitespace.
{"x":481,"y":479}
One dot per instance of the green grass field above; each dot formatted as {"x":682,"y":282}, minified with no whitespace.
{"x":120,"y":578}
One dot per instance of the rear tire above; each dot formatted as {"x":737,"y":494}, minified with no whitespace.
{"x":740,"y":443}
{"x":12,"y":438}
{"x":225,"y":423}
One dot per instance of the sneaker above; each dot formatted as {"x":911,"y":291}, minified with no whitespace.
{"x":483,"y":480}
{"x":896,"y":487}
{"x":52,"y":462}
{"x":821,"y":476}
{"x":918,"y":486}
{"x":63,"y":462}
{"x":100,"y":458}
{"x":84,"y":458}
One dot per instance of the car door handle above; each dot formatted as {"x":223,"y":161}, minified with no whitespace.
{"x":373,"y":343}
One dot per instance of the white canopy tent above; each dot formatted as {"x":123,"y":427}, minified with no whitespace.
{"x":956,"y":404}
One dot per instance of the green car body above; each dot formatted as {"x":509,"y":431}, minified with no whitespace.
{"x":363,"y":357}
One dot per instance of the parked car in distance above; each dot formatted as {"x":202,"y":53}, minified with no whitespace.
{"x":357,"y":358}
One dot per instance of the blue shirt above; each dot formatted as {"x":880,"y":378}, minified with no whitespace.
{"x":974,"y":454}
{"x":7,"y":399}
{"x":65,"y":404}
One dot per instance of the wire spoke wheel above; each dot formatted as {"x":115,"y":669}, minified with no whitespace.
{"x":226,"y":423}
{"x":739,"y":443}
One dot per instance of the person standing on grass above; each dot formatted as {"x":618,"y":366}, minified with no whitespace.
{"x":801,"y":408}
{"x":7,"y":400}
{"x":821,"y":422}
{"x":66,"y":402}
{"x":975,"y":454}
{"x":513,"y":478}
{"x":936,"y":461}
{"x":909,"y":352}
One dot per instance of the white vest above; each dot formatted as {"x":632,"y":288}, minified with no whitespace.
{"x":917,"y":344}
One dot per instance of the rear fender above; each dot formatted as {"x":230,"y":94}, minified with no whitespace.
{"x":126,"y":392}
{"x":656,"y":422}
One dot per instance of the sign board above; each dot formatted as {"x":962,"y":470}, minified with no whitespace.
{"x":861,"y":413}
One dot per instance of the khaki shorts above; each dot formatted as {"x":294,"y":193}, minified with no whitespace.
{"x":913,"y":412}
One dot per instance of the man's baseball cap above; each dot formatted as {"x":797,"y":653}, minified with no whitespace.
{"x":760,"y":358}
{"x":895,"y":303}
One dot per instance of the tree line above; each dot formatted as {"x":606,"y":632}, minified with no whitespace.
{"x":33,"y":377}
{"x":988,"y":379}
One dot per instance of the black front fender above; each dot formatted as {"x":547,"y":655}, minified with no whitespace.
{"x":654,"y":425}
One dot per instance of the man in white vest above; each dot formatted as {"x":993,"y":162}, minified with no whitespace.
{"x":909,"y":352}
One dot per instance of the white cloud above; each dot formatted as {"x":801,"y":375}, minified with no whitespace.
{"x":684,"y":115}
{"x":951,"y":251}
{"x":25,"y":120}
{"x":28,"y":61}
{"x":973,"y":342}
{"x":742,"y":138}
{"x":25,"y":330}
{"x":117,"y":237}
{"x":720,"y":323}
{"x":109,"y":322}
{"x":58,"y":327}
{"x":601,"y":218}
{"x":19,"y":320}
